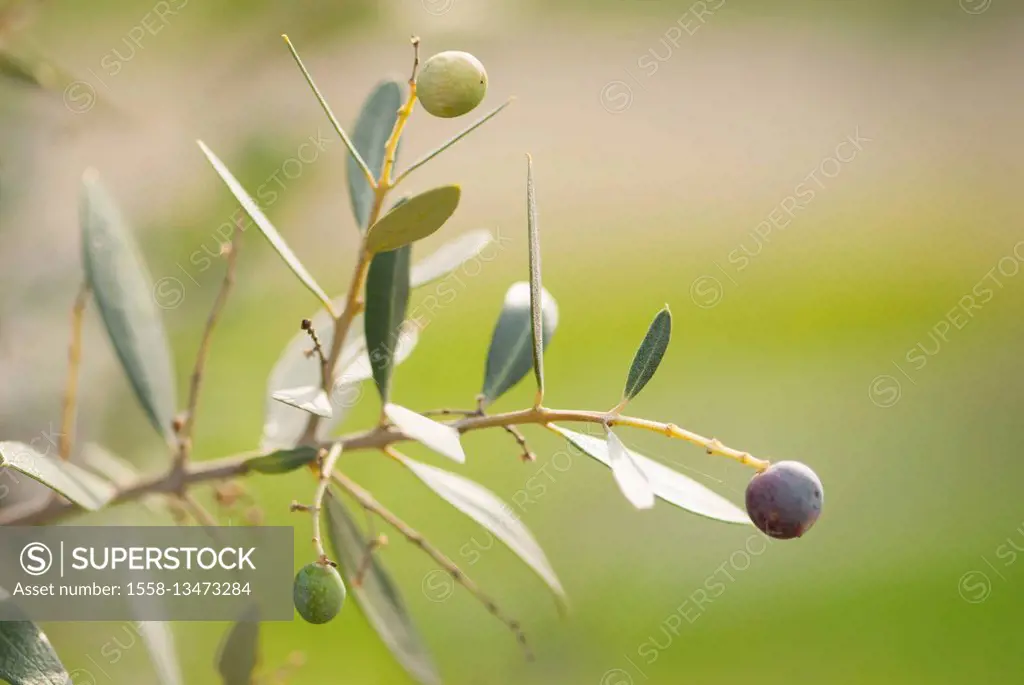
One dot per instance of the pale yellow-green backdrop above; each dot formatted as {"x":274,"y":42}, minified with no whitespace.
{"x":856,"y":306}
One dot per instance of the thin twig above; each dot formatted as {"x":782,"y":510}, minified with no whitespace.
{"x":375,"y":439}
{"x":318,"y":348}
{"x":326,"y":468}
{"x":391,"y":148}
{"x":367,"y":501}
{"x":520,"y":439}
{"x":445,"y":411}
{"x":185,"y":434}
{"x":67,"y":422}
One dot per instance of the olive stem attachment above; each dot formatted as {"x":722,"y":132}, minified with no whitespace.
{"x":326,"y":469}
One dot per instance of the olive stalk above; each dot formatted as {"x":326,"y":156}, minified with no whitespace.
{"x":372,"y":439}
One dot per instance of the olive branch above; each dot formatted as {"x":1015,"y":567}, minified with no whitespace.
{"x":312,"y":386}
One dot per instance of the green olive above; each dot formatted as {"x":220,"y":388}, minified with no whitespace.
{"x":318,"y":592}
{"x":451,"y":83}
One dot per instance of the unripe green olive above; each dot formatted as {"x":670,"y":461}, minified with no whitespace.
{"x":451,"y":83}
{"x":318,"y":592}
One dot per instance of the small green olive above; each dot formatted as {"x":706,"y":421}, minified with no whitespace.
{"x":451,"y":83}
{"x":318,"y":592}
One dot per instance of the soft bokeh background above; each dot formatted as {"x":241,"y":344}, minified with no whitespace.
{"x":661,"y":142}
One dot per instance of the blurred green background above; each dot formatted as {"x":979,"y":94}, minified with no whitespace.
{"x":664,"y":136}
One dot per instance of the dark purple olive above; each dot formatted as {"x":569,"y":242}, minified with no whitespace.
{"x":785,"y":500}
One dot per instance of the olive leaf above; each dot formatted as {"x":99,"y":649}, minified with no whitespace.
{"x":451,"y":141}
{"x":387,"y":298}
{"x":309,"y":398}
{"x":26,"y":657}
{"x":536,"y":327}
{"x":631,"y":478}
{"x":360,"y":162}
{"x":648,"y":356}
{"x":267,"y":228}
{"x":510,"y":355}
{"x":414,"y":220}
{"x":449,"y":257}
{"x":282,"y":461}
{"x":373,"y":128}
{"x":439,"y":437}
{"x":117,"y":276}
{"x":669,"y":485}
{"x":376,"y":594}
{"x":484,"y":507}
{"x":239,"y":653}
{"x":78,"y":485}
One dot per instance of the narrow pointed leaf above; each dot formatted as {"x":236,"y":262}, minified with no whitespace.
{"x":327,"y":109}
{"x":387,"y":298}
{"x":669,"y":485}
{"x":159,"y":641}
{"x":309,"y":398}
{"x":414,"y":220}
{"x":282,"y":461}
{"x":377,"y":595}
{"x":510,"y":356}
{"x":84,"y":489}
{"x":449,"y":257}
{"x":439,"y":437}
{"x":648,"y":356}
{"x":373,"y":128}
{"x":628,"y":474}
{"x":484,"y":507}
{"x":536,"y":326}
{"x":239,"y":653}
{"x":263,"y":223}
{"x":26,"y":657}
{"x":451,"y":141}
{"x":123,"y":290}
